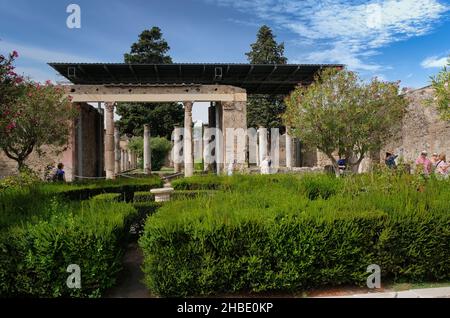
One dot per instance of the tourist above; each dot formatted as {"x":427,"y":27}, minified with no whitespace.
{"x":231,"y":167}
{"x":390,"y":160}
{"x":434,"y":159}
{"x":60,"y":175}
{"x":423,"y":163}
{"x":265,"y":167}
{"x":442,"y":166}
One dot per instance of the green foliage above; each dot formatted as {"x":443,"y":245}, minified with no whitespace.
{"x":85,"y":190}
{"x":35,"y":255}
{"x":160,"y":148}
{"x":265,"y":110}
{"x":25,"y":178}
{"x":266,"y":50}
{"x":11,"y":87}
{"x":108,"y":197}
{"x":288,"y":233}
{"x":32,"y":116}
{"x":441,"y":86}
{"x":162,"y":118}
{"x":339,"y":113}
{"x":208,"y":182}
{"x":151,"y":48}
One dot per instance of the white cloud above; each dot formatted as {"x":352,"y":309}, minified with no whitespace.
{"x":40,"y":54}
{"x":345,"y":31}
{"x":434,"y":62}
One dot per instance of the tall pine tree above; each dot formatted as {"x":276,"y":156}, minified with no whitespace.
{"x":265,"y":110}
{"x":151,"y":48}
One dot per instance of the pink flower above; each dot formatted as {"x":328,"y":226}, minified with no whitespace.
{"x":11,"y":126}
{"x":19,"y":80}
{"x":48,"y":82}
{"x":15,"y":54}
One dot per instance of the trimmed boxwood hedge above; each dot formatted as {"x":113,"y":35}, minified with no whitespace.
{"x":34,"y":256}
{"x":85,"y":190}
{"x":291,"y":233}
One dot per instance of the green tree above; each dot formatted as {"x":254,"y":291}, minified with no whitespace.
{"x":340,"y":114}
{"x":161,"y":116}
{"x":33,"y":116}
{"x":10,"y":84}
{"x":441,"y":85}
{"x":150,"y":48}
{"x":160,"y":148}
{"x":265,"y":110}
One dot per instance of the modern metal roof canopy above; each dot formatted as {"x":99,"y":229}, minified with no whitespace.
{"x":255,"y":78}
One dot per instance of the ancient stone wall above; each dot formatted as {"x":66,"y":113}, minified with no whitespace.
{"x":422,"y":129}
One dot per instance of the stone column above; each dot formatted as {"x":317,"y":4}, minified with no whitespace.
{"x":177,"y":148}
{"x":109,"y":141}
{"x":187,"y":149}
{"x":147,"y":151}
{"x":122,"y":158}
{"x":288,"y":149}
{"x":117,"y":151}
{"x":262,"y":131}
{"x":130,"y":159}
{"x":234,"y":129}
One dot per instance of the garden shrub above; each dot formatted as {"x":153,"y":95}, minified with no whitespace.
{"x":287,"y":233}
{"x":85,"y":190}
{"x":35,"y":255}
{"x":207,"y":182}
{"x":143,"y":196}
{"x":108,"y":197}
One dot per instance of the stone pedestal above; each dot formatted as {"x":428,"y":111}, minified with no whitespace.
{"x":162,"y":194}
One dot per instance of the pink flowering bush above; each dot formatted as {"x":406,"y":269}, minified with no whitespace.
{"x":32,"y":114}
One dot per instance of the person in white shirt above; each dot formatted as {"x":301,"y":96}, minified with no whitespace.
{"x":265,"y":167}
{"x":442,"y":167}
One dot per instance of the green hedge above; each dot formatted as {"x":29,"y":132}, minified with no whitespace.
{"x":35,"y":255}
{"x":85,"y":190}
{"x":108,"y":197}
{"x":289,"y":233}
{"x":206,"y":182}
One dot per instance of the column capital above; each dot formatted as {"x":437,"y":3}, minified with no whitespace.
{"x":228,"y":105}
{"x":188,"y":106}
{"x":109,"y":106}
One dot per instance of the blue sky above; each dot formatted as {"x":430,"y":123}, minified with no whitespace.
{"x":405,"y":40}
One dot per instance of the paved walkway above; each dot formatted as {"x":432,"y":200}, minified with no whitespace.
{"x":441,"y":292}
{"x":129,"y":283}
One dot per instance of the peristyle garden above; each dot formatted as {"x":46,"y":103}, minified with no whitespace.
{"x":226,"y":235}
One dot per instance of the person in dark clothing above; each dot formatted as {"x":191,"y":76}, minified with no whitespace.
{"x":390,"y":160}
{"x":60,"y":175}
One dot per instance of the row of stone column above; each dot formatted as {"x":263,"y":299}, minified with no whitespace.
{"x":263,"y":149}
{"x":114,"y":162}
{"x":117,"y":159}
